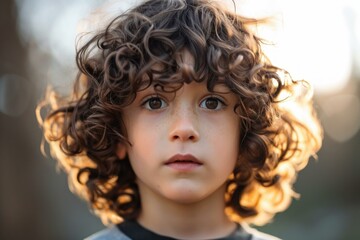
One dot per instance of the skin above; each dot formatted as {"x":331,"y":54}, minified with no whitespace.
{"x":183,"y":200}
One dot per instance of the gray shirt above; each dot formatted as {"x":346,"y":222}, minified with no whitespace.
{"x":115,"y":233}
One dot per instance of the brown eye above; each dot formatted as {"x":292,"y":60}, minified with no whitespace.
{"x":154,"y":103}
{"x":212,"y":103}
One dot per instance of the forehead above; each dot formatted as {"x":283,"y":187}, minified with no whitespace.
{"x":185,"y":58}
{"x":172,"y":87}
{"x":169,"y":76}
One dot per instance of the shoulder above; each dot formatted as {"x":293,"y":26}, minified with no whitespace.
{"x":110,"y":233}
{"x":257,"y":235}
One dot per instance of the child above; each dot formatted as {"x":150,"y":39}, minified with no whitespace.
{"x":179,"y":127}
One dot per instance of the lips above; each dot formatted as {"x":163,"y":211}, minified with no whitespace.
{"x":184,"y":162}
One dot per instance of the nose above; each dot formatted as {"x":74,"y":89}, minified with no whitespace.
{"x":184,"y":126}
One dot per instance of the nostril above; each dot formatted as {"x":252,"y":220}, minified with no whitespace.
{"x":182,"y":133}
{"x":184,"y":137}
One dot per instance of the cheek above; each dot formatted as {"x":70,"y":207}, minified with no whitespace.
{"x":226,"y":133}
{"x":223,"y":145}
{"x":141,"y":128}
{"x":143,"y":134}
{"x":228,"y":140}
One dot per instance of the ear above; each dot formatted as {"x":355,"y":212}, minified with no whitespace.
{"x":121,"y":151}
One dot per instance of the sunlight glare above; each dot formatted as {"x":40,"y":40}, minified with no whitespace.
{"x":315,"y":44}
{"x":310,"y":39}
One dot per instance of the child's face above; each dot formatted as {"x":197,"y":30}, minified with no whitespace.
{"x":184,"y":144}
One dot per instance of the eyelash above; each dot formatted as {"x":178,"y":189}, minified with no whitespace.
{"x":220,"y":103}
{"x":146,"y":102}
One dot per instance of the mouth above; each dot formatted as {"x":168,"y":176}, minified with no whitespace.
{"x":184,"y":162}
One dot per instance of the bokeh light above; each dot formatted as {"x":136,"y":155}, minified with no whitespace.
{"x":318,"y":41}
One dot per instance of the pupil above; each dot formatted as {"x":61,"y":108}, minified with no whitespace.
{"x":155,"y":103}
{"x":211,"y":103}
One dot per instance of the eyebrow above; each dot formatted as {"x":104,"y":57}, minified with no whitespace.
{"x":159,"y":83}
{"x":145,"y":84}
{"x":221,"y":86}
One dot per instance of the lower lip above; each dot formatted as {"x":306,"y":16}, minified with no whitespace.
{"x":183,"y":166}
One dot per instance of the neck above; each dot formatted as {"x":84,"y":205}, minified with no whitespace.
{"x":204,"y":219}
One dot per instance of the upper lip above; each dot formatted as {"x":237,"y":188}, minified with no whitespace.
{"x":183,"y":158}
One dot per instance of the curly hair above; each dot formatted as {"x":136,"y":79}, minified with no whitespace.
{"x":279,"y":129}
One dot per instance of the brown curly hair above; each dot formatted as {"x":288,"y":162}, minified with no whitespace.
{"x":279,"y":130}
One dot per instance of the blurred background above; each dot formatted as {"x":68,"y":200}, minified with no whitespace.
{"x":316,"y":40}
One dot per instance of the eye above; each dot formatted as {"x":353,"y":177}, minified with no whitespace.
{"x":212,"y":103}
{"x":154,"y":103}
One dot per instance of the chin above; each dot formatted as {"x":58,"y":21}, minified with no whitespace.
{"x":185,"y":196}
{"x":186,"y":200}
